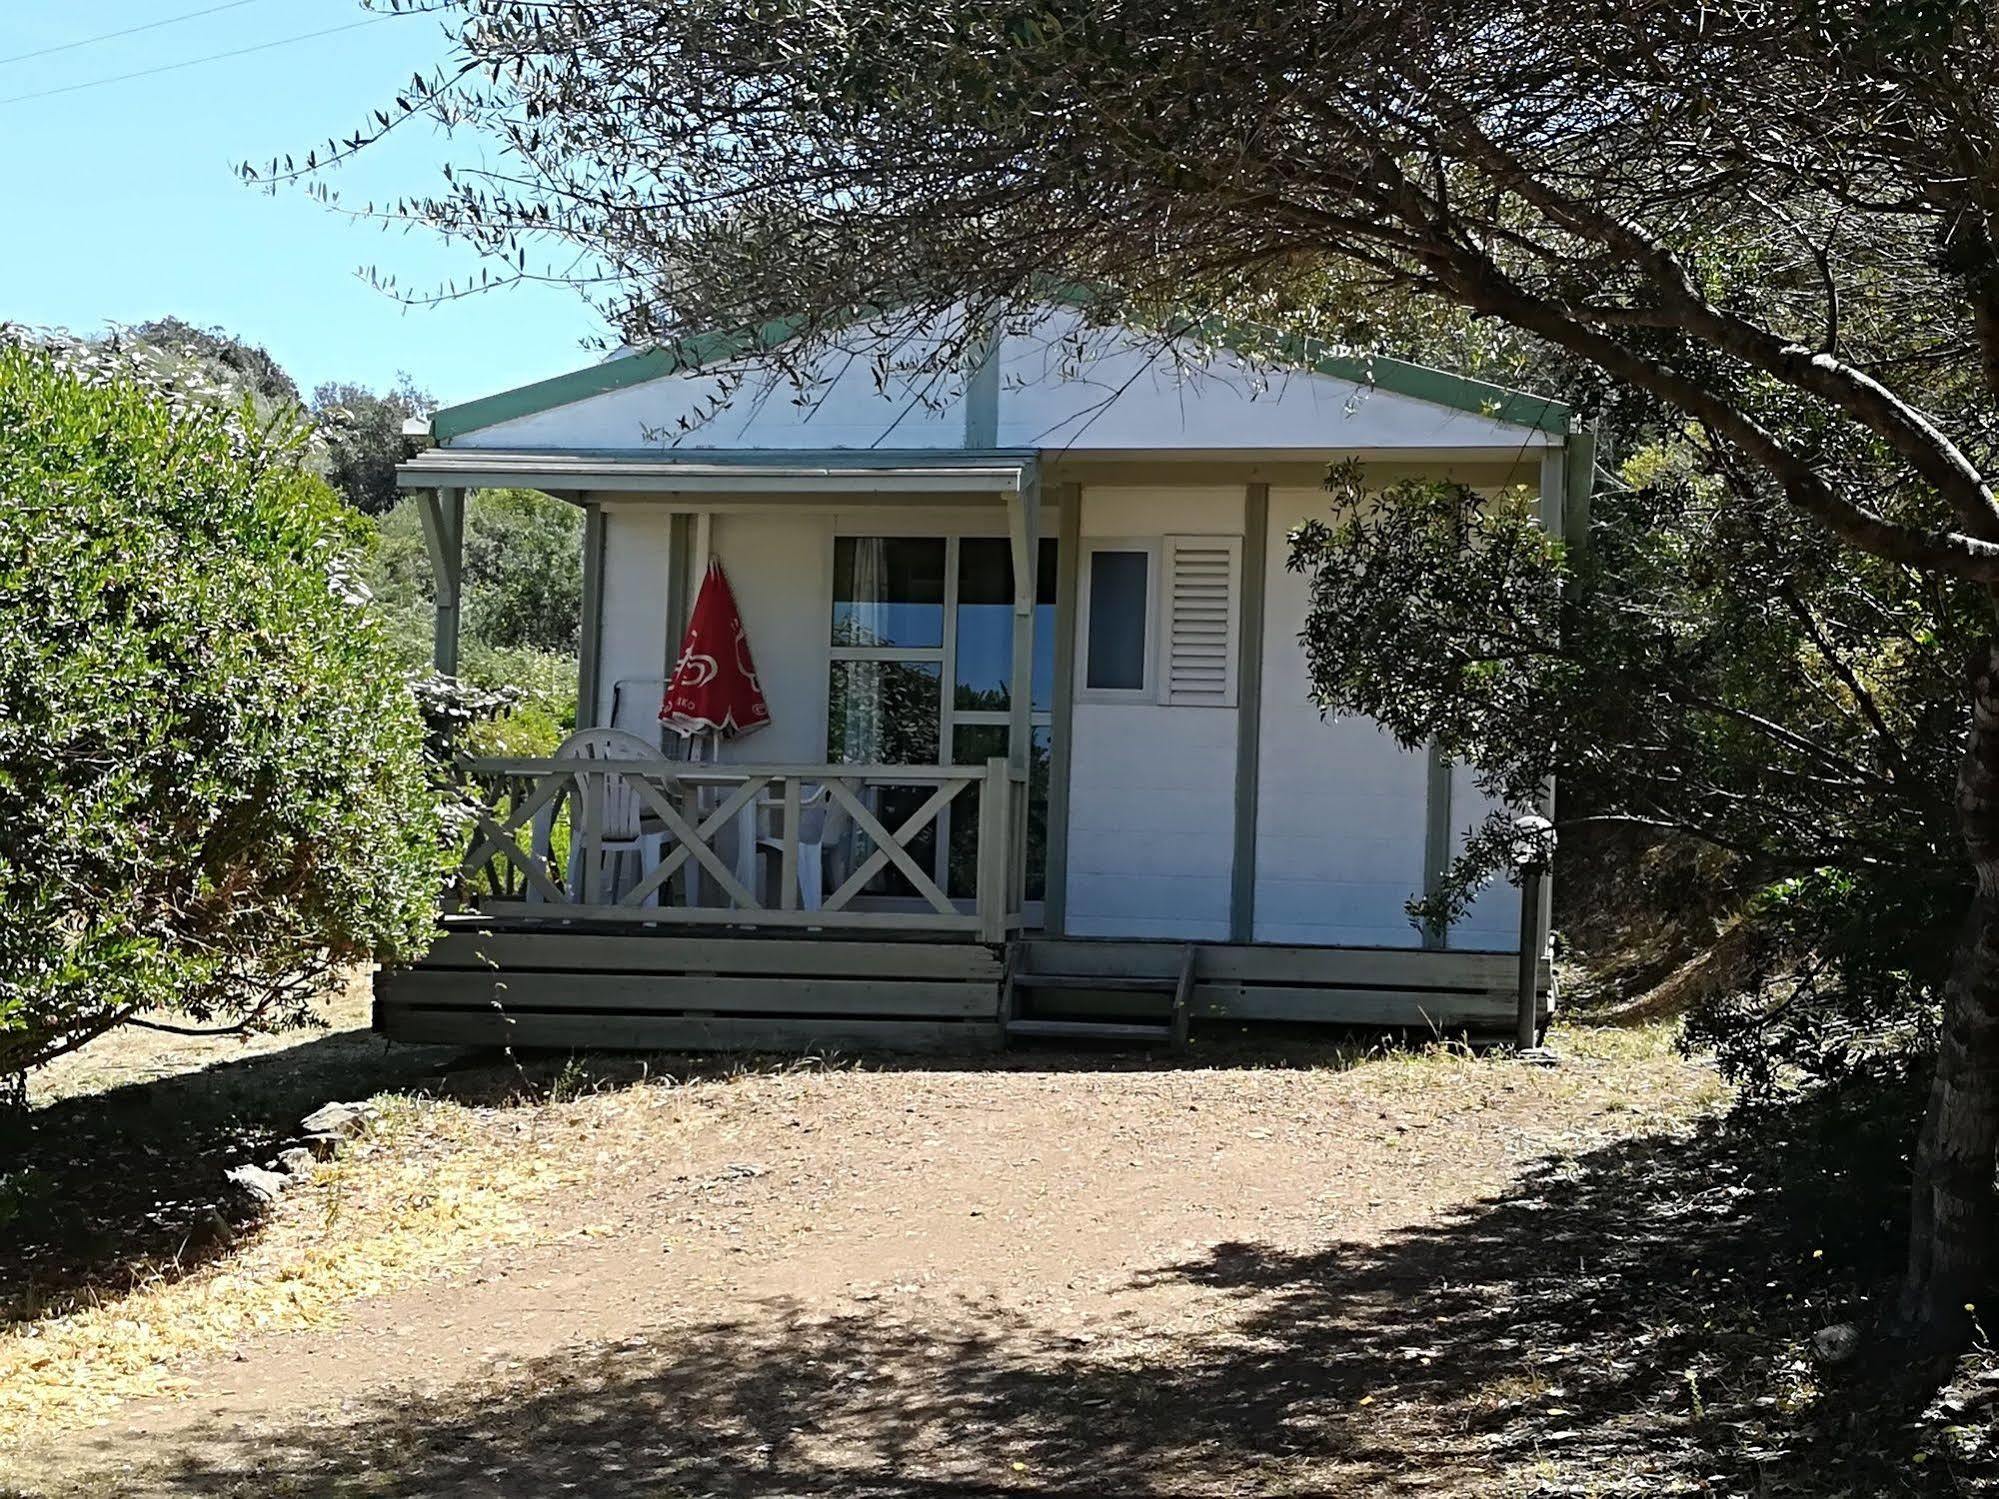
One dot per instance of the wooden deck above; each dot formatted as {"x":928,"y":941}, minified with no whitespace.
{"x":658,"y":990}
{"x":669,"y":993}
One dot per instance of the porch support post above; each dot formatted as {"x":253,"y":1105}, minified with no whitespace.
{"x":1249,"y":712}
{"x":590,"y":633}
{"x":443,"y":512}
{"x":1436,"y":837}
{"x":1068,"y":556}
{"x":1024,"y":529}
{"x":1557,"y":485}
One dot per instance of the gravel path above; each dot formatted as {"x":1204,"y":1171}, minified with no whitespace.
{"x":1050,"y":1274}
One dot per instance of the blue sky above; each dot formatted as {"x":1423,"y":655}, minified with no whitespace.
{"x":123,"y":204}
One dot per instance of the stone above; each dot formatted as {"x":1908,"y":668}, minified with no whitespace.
{"x":1836,"y":1344}
{"x":260,"y":1186}
{"x":336,"y":1119}
{"x":1538,"y":1056}
{"x":293,"y":1159}
{"x":321,"y":1147}
{"x":210,"y":1230}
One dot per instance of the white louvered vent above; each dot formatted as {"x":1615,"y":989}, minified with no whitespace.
{"x":1202,"y":584}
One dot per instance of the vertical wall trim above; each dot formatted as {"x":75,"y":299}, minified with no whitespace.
{"x":1069,"y":547}
{"x":704,"y":547}
{"x":1554,"y":490}
{"x":590,"y":635}
{"x":679,"y":542}
{"x":1436,"y":837}
{"x":982,"y":383}
{"x":1249,"y":711}
{"x":1024,"y":532}
{"x":1556,"y":485}
{"x":1580,"y":476}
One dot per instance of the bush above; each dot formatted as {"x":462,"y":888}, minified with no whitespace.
{"x":212,"y":778}
{"x":523,"y":579}
{"x":1711,"y":672}
{"x":363,"y":433}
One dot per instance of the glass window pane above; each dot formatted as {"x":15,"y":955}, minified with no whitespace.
{"x":1044,"y":629}
{"x":974,"y":744}
{"x":971,"y":744}
{"x":985,"y":623}
{"x":888,"y":591}
{"x":984,"y":673}
{"x":883,"y":712}
{"x":1119,"y":621}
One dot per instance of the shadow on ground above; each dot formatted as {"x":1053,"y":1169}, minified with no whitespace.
{"x":102,"y":1191}
{"x":1632,"y":1321}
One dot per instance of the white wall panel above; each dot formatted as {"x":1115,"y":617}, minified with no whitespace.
{"x":1152,"y":787}
{"x":637,"y":556}
{"x":1493,"y":922}
{"x":1340,"y":808}
{"x":1151,"y":821}
{"x":780,"y":569}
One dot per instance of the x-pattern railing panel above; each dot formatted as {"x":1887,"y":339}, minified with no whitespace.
{"x":697,"y":843}
{"x":893,"y":847}
{"x":672,"y":794}
{"x":496,"y":839}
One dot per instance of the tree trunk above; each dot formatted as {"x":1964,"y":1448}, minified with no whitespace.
{"x":1952,"y":1214}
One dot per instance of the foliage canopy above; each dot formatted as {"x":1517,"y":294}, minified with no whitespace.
{"x":212,"y":783}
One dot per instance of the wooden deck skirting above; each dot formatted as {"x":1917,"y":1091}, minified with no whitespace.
{"x":669,"y":993}
{"x":654,"y":991}
{"x":1388,"y":986}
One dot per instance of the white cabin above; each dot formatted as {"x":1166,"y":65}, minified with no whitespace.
{"x":1039,"y":636}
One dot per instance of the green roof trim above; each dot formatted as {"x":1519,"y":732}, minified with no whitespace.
{"x":690,"y":353}
{"x":1499,"y":403}
{"x":1516,"y":408}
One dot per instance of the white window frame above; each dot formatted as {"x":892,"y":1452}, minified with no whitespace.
{"x":945,"y":656}
{"x":1148,"y":689}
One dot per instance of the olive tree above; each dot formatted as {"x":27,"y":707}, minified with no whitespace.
{"x":1780,"y":218}
{"x":1703,"y":665}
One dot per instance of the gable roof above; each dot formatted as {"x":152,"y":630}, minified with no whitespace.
{"x":1402,"y":377}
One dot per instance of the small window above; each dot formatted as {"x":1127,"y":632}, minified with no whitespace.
{"x":1120,"y":620}
{"x":888,"y":592}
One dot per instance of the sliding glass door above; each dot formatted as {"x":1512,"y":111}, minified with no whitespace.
{"x":921,"y":646}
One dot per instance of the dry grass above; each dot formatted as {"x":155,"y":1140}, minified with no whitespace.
{"x":429,"y":1185}
{"x":1287,"y":1183}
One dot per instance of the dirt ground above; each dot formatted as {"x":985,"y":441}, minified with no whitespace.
{"x":1294,"y":1269}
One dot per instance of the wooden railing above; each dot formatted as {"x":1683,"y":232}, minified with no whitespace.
{"x":669,"y":841}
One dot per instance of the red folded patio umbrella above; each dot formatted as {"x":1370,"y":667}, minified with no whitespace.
{"x":714,"y":688}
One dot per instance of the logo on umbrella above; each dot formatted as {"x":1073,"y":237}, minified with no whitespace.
{"x":714,"y":691}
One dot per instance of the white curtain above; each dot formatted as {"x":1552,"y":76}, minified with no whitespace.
{"x":861,"y":724}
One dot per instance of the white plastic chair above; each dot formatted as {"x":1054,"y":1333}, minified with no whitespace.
{"x":823,"y":824}
{"x":606,"y":817}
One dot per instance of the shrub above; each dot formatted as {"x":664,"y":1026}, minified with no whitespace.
{"x":523,"y":579}
{"x":212,"y":779}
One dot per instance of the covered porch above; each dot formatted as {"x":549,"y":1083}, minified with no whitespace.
{"x":923,"y":810}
